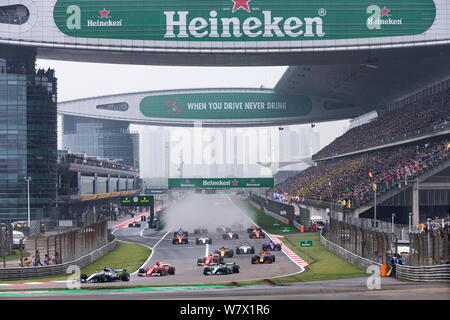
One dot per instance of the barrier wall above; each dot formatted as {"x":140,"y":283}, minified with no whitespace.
{"x":419,"y":273}
{"x":56,"y":270}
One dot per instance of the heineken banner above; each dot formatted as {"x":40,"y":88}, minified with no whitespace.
{"x":218,"y":183}
{"x":226,"y":105}
{"x":242,"y":20}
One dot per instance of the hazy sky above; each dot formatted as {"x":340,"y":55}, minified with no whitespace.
{"x":80,"y":80}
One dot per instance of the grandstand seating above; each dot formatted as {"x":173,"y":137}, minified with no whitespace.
{"x":353,"y":177}
{"x":395,"y":123}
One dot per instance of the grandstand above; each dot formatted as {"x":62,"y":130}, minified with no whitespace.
{"x":404,"y":151}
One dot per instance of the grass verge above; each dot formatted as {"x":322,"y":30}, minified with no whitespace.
{"x":265,"y":221}
{"x":125,"y":255}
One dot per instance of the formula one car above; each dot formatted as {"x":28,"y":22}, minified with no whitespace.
{"x":213,"y":259}
{"x":223,"y":229}
{"x":230,"y":236}
{"x":180,"y":237}
{"x":134,"y":224}
{"x":257,"y":234}
{"x":159,"y":269}
{"x":224,"y":252}
{"x":201,"y":230}
{"x":245,"y":248}
{"x":253,"y":228}
{"x":271,"y":246}
{"x":237,"y":226}
{"x":107,"y":275}
{"x":204,"y":239}
{"x":264,"y":257}
{"x":224,"y":268}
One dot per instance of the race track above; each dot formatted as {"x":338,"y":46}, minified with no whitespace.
{"x":210,"y":212}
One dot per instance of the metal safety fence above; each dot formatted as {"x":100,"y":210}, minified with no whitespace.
{"x":63,"y":247}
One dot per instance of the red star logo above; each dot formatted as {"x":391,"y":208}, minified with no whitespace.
{"x":252,"y":181}
{"x":241,"y":4}
{"x":385,"y":12}
{"x":104,"y":13}
{"x":187,"y":181}
{"x":235,"y":182}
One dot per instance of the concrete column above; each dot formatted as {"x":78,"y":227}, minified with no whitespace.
{"x":108,"y":184}
{"x":415,"y":204}
{"x":95,"y":184}
{"x":79,"y":183}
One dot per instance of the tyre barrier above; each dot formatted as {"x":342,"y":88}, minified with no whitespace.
{"x":54,"y":270}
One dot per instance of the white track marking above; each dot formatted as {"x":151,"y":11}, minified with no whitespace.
{"x":300,"y":265}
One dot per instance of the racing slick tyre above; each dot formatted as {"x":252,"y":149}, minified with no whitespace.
{"x":142,"y":270}
{"x":254,"y":259}
{"x":235,"y":269}
{"x":83,"y":278}
{"x":224,"y":236}
{"x":197,"y":241}
{"x":273,"y":258}
{"x":199,"y":262}
{"x":206,"y":271}
{"x":238,"y":251}
{"x":171,"y":270}
{"x":125,"y":276}
{"x":252,"y":250}
{"x":235,"y":236}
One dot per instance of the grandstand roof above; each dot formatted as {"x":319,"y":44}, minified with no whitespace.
{"x":369,"y":80}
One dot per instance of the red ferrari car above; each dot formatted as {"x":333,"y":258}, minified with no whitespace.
{"x":159,"y":269}
{"x":213,"y":259}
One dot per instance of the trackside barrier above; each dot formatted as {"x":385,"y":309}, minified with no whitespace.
{"x":413,"y":273}
{"x":424,"y":273}
{"x":354,"y":259}
{"x":270,"y":213}
{"x":55,"y":270}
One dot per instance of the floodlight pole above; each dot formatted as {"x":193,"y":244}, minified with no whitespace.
{"x":28,"y":179}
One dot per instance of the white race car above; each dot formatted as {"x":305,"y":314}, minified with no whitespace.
{"x":245,"y":248}
{"x":204,"y":239}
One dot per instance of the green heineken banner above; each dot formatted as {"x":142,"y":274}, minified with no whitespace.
{"x":243,"y":20}
{"x":217,"y":183}
{"x":226,"y":105}
{"x":137,"y":201}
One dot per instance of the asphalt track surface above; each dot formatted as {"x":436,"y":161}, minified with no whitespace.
{"x":212,"y":211}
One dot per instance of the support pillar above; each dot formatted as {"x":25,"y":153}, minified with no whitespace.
{"x":415,"y":204}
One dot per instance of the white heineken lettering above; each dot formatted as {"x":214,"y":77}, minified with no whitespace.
{"x":213,"y":22}
{"x":197,"y":24}
{"x":309,"y":27}
{"x":107,"y":23}
{"x":270,"y":25}
{"x":180,"y":25}
{"x":251,"y":24}
{"x":226,"y":27}
{"x":171,"y":23}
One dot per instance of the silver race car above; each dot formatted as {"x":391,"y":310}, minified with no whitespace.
{"x":204,"y":239}
{"x":245,"y":249}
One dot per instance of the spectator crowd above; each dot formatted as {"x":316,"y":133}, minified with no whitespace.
{"x":395,"y":123}
{"x":346,"y":180}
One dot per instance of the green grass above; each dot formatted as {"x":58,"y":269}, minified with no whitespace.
{"x":16,"y":256}
{"x":323,"y":265}
{"x":124,"y":256}
{"x":263,"y":220}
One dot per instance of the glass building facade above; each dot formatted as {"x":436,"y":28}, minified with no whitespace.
{"x":109,"y":139}
{"x":28,"y":137}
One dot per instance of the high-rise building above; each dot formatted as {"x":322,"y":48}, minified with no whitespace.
{"x":109,"y":139}
{"x":28,"y":136}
